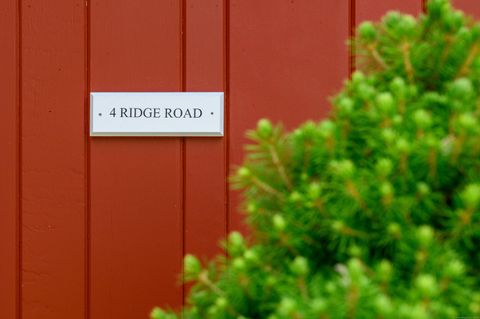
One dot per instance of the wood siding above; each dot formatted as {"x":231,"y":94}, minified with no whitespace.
{"x":96,"y":228}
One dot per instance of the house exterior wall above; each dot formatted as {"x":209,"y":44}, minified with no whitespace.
{"x":96,"y":227}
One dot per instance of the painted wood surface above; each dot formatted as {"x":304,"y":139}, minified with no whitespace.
{"x":53,"y":159}
{"x":9,"y":159}
{"x":97,"y":227}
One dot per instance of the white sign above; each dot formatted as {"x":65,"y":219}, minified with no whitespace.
{"x":156,"y":114}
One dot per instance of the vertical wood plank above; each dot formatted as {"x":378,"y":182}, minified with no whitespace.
{"x":53,"y":90}
{"x":205,"y":209}
{"x":374,"y":10}
{"x":470,"y":7}
{"x":286,"y":58}
{"x":136,"y":183}
{"x":9,"y":159}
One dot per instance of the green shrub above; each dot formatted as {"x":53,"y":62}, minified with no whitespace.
{"x":374,"y":212}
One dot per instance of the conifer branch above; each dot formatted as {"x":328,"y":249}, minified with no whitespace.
{"x":284,"y":240}
{"x":406,"y":61}
{"x":203,"y":278}
{"x":458,"y":145}
{"x":472,"y":54}
{"x":446,"y":49}
{"x":466,"y":216}
{"x":280,"y":168}
{"x":353,"y":295}
{"x":432,"y":161}
{"x":303,"y":289}
{"x":266,"y":188}
{"x":376,"y":56}
{"x":355,"y":194}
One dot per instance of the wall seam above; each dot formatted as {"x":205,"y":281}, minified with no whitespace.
{"x":226,"y":88}
{"x":87,"y":153}
{"x":183,"y":77}
{"x":351,"y":35}
{"x":19,"y":232}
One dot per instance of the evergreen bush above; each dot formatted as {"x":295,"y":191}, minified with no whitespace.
{"x":374,"y":212}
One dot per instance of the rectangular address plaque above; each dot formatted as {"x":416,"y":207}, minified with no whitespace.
{"x":156,"y":114}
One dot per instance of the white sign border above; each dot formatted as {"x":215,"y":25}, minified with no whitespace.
{"x":221,"y":95}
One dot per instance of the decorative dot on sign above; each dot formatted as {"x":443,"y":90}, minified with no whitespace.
{"x":99,"y":114}
{"x":211,"y":113}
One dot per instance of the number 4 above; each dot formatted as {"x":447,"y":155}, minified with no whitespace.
{"x":112,"y":112}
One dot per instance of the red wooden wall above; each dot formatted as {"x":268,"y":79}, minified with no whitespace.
{"x":97,"y":227}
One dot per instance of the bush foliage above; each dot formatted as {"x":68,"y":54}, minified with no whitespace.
{"x":373,"y":212}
